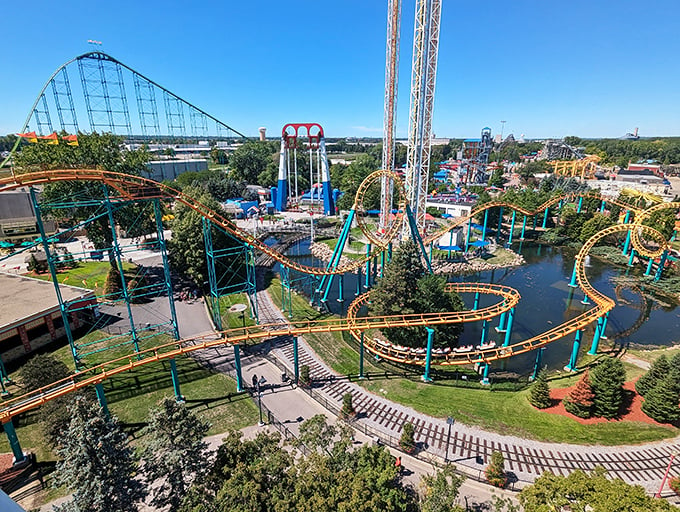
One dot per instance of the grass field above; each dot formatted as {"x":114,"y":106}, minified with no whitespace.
{"x":506,"y":412}
{"x":88,"y":274}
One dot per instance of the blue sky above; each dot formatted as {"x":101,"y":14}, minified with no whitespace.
{"x":588,"y":68}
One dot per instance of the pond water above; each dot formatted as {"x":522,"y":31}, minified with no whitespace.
{"x":640,"y":318}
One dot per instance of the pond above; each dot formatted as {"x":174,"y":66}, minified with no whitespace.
{"x":641,"y":317}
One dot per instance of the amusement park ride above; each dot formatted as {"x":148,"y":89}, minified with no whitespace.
{"x":116,"y":191}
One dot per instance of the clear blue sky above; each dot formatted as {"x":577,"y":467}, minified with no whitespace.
{"x":589,"y":68}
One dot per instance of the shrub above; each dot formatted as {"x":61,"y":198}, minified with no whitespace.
{"x":661,"y":403}
{"x":539,"y":394}
{"x":580,"y":401}
{"x":305,"y":377}
{"x":347,"y":407}
{"x":495,"y":473}
{"x":649,"y":380}
{"x":674,"y":483}
{"x":407,"y":440}
{"x":607,"y":384}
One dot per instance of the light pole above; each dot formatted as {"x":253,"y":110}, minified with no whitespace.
{"x":260,"y":383}
{"x":502,"y":129}
{"x":450,"y":421}
{"x":665,"y":475}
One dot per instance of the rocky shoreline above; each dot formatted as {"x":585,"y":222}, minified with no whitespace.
{"x":324,"y":253}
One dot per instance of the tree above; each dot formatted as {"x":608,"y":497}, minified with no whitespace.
{"x":579,"y":401}
{"x":592,"y":226}
{"x":316,"y":433}
{"x":659,"y":369}
{"x":348,"y":178}
{"x":175,"y":452}
{"x":407,"y":441}
{"x":186,"y":249}
{"x":539,"y":394}
{"x":97,"y":463}
{"x":440,"y":491}
{"x":495,"y":471}
{"x":592,"y":492}
{"x":347,"y":407}
{"x":662,"y":402}
{"x":394,"y":295}
{"x":305,"y":377}
{"x":250,"y":159}
{"x":496,"y":179}
{"x":42,"y":370}
{"x":607,"y":384}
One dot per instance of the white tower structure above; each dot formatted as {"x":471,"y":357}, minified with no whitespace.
{"x":423,"y":79}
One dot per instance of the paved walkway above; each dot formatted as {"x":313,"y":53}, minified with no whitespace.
{"x":643,"y":465}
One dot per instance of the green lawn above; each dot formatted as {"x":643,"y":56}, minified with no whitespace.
{"x":88,"y":274}
{"x":506,"y":412}
{"x":235,"y":320}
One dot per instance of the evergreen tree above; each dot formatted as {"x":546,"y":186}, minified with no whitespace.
{"x":662,"y":403}
{"x":539,"y":394}
{"x":97,"y":463}
{"x":649,"y":380}
{"x":579,"y":401}
{"x":674,"y":371}
{"x":495,"y":472}
{"x":407,"y":441}
{"x":406,"y":288}
{"x":175,"y":452}
{"x":607,"y":384}
{"x":440,"y":491}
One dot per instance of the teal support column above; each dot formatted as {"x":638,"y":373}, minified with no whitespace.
{"x":512,"y":227}
{"x":662,"y":264}
{"x":367,"y":285}
{"x":603,"y":334}
{"x":361,"y":356}
{"x":501,"y":323}
{"x":428,"y":356}
{"x":573,"y":282}
{"x":11,"y":434}
{"x":475,"y":306}
{"x":101,"y":398}
{"x":382,"y":261}
{"x":486,"y":218}
{"x":431,"y":248}
{"x":585,"y":301}
{"x":649,"y":267}
{"x":524,"y":227}
{"x":485,"y":375}
{"x":574,"y":352}
{"x":632,"y":257}
{"x":537,"y":363}
{"x":626,"y":244}
{"x":467,"y":235}
{"x":485,"y":329}
{"x":560,"y":205}
{"x":602,"y":207}
{"x":596,"y":337}
{"x":296,"y":359}
{"x":450,"y":245}
{"x":341,"y":288}
{"x":389,"y":252}
{"x":500,"y":224}
{"x":175,"y":380}
{"x":580,"y":204}
{"x":627,"y":217}
{"x":237,"y":364}
{"x":545,"y":217}
{"x":374,"y":278}
{"x":508,"y":327}
{"x":358,"y":292}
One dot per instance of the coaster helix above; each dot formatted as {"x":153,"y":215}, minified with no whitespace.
{"x":134,"y":187}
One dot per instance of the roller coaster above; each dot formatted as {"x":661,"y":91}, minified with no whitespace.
{"x":136,"y":188}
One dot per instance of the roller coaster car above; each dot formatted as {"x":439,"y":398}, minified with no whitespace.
{"x":143,"y":191}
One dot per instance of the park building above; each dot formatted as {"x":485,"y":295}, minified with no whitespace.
{"x":30,"y":316}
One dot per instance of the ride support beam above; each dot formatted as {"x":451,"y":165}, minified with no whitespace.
{"x":237,"y":366}
{"x":428,"y":357}
{"x":467,"y":235}
{"x":596,"y":337}
{"x":626,"y":244}
{"x":296,"y":360}
{"x":573,"y":283}
{"x":632,"y":257}
{"x":501,"y":322}
{"x":545,"y":217}
{"x":175,"y":380}
{"x":475,"y":305}
{"x":101,"y":398}
{"x":358,"y":291}
{"x":11,"y":434}
{"x":485,"y":375}
{"x":341,"y":288}
{"x":500,"y":224}
{"x":580,"y":204}
{"x":585,"y":300}
{"x":448,"y":256}
{"x":212,"y":277}
{"x":603,"y":335}
{"x":537,"y":363}
{"x":382,"y":261}
{"x":485,"y":330}
{"x":158,"y":215}
{"x":662,"y":264}
{"x":508,"y":327}
{"x":574,"y":352}
{"x":486,"y":218}
{"x":361,"y":356}
{"x":367,"y":285}
{"x":512,"y":227}
{"x":602,"y":204}
{"x":649,"y":266}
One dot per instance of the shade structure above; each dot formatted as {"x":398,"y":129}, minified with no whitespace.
{"x":480,"y":243}
{"x":449,"y":248}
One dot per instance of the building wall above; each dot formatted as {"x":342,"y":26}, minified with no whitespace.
{"x":160,"y":170}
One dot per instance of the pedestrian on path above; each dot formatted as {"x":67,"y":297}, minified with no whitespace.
{"x":254,"y":379}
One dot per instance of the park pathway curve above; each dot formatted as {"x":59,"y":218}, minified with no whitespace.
{"x":471,"y":446}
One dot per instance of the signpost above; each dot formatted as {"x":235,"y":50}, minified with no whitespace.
{"x":450,"y":421}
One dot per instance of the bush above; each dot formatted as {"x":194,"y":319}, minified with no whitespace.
{"x":347,"y":407}
{"x":580,"y":401}
{"x":495,"y":473}
{"x":656,"y":373}
{"x":661,"y":403}
{"x":407,"y":440}
{"x":305,"y":377}
{"x":674,"y":483}
{"x":539,"y":394}
{"x":113,"y":285}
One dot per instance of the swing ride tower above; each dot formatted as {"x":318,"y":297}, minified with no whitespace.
{"x":319,"y":178}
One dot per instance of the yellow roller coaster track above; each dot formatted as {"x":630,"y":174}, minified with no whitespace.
{"x":576,"y":168}
{"x":136,"y":188}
